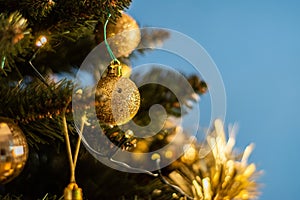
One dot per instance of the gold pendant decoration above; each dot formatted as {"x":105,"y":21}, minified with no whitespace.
{"x":117,"y":97}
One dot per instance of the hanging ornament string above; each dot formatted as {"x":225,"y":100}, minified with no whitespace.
{"x":111,"y":54}
{"x":68,"y":144}
{"x":114,"y":61}
{"x":72,"y":191}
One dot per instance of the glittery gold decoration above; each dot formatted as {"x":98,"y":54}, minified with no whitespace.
{"x":117,"y":99}
{"x":126,"y":35}
{"x":217,"y":173}
{"x":13,"y":150}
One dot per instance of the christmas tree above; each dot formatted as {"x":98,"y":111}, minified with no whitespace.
{"x":45,"y":114}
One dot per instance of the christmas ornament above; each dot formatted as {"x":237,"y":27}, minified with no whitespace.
{"x":126,"y":35}
{"x":73,"y":192}
{"x":117,"y":97}
{"x":13,"y":150}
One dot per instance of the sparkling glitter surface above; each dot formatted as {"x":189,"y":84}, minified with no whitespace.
{"x":13,"y":150}
{"x":117,"y":100}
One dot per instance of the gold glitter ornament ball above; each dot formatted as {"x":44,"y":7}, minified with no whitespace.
{"x":117,"y":99}
{"x":13,"y":150}
{"x":125,"y":32}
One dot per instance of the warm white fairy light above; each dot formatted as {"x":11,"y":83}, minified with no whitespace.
{"x":41,"y":41}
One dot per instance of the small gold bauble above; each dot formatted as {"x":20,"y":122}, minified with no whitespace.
{"x":117,"y":99}
{"x":13,"y":150}
{"x":126,"y":35}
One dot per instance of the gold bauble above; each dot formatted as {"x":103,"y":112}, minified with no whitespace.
{"x":125,"y":32}
{"x":13,"y":150}
{"x":117,"y":99}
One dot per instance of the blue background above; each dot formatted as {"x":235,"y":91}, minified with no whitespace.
{"x":256,"y":46}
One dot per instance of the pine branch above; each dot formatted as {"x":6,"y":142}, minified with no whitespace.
{"x":23,"y":22}
{"x":14,"y":40}
{"x":67,"y":10}
{"x":36,"y":10}
{"x":36,"y":107}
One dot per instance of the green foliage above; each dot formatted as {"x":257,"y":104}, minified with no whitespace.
{"x":14,"y":40}
{"x":36,"y":10}
{"x":53,"y":11}
{"x":23,"y":22}
{"x":69,"y":27}
{"x":36,"y":107}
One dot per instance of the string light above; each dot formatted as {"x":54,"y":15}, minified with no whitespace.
{"x":41,"y":41}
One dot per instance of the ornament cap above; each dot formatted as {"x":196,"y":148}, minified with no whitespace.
{"x":114,"y":69}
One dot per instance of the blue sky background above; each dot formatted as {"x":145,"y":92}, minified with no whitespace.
{"x":256,"y":46}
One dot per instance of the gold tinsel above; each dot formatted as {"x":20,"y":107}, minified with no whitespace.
{"x":209,"y":170}
{"x":212,"y":171}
